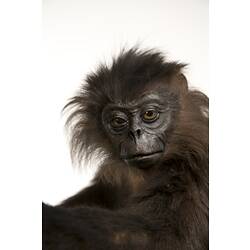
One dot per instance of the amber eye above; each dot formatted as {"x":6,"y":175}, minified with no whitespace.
{"x":118,"y":122}
{"x":150,"y":116}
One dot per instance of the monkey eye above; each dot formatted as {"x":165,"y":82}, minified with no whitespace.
{"x":118,"y":122}
{"x":150,"y":116}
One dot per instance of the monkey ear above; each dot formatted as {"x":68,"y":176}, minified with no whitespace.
{"x":179,"y":82}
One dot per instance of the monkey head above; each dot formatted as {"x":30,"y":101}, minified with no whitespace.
{"x":127,"y":110}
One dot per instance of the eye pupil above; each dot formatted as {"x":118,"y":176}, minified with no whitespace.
{"x":150,"y":116}
{"x":149,"y":113}
{"x":118,"y":122}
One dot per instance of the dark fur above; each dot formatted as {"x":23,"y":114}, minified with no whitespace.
{"x":165,"y":207}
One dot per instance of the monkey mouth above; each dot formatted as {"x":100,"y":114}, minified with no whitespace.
{"x":143,"y":157}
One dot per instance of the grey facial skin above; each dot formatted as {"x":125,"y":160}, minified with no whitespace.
{"x":137,"y":129}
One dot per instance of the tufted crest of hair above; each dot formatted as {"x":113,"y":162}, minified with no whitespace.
{"x":131,"y":72}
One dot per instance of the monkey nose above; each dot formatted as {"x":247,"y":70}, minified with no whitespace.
{"x":135,"y":134}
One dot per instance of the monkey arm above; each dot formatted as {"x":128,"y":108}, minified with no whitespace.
{"x":94,"y":229}
{"x":98,"y":194}
{"x":147,"y":224}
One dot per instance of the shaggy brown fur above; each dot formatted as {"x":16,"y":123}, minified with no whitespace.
{"x":163,"y":207}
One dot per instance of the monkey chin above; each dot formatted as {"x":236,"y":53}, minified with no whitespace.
{"x":145,"y":161}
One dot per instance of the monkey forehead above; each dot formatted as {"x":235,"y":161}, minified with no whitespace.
{"x":158,"y":98}
{"x":152,"y":91}
{"x":148,"y":97}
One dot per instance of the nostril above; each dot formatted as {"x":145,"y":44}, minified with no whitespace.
{"x":138,"y":132}
{"x":131,"y":135}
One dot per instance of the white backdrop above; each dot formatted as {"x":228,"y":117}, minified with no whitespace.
{"x":77,"y":35}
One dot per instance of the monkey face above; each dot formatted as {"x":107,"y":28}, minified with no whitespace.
{"x":138,"y":129}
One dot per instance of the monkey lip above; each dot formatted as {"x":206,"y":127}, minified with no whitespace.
{"x":147,"y":156}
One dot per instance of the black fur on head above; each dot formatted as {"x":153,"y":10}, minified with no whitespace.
{"x":129,"y":74}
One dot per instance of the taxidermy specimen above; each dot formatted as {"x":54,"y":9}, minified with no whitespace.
{"x":151,"y":189}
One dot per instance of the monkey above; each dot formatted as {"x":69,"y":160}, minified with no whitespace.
{"x":150,"y":129}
